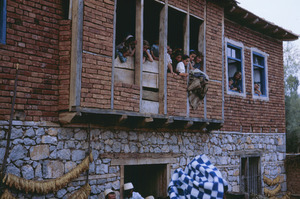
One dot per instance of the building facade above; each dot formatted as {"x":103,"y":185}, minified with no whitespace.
{"x":73,"y":96}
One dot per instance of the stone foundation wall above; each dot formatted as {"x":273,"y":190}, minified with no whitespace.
{"x":42,"y":151}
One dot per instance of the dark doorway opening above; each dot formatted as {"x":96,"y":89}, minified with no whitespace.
{"x":147,"y":179}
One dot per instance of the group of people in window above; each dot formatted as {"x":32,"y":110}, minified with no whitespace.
{"x":235,"y":84}
{"x":178,"y":63}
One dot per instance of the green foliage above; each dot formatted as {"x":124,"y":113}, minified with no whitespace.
{"x":291,"y":59}
{"x":292,"y":99}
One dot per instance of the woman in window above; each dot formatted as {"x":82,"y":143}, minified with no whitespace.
{"x":235,"y":82}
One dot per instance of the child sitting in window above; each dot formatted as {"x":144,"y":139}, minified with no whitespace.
{"x":176,"y":58}
{"x":146,"y":52}
{"x":169,"y":60}
{"x":181,"y":66}
{"x":256,"y":89}
{"x":123,"y":53}
{"x":155,"y":50}
{"x":198,"y":61}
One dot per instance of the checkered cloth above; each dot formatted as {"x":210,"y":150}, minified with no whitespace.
{"x":200,"y":179}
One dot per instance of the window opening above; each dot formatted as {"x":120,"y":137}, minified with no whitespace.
{"x":66,"y":9}
{"x":3,"y":21}
{"x":124,"y":51}
{"x":175,"y":28}
{"x":151,"y":20}
{"x":194,"y":33}
{"x":125,"y":22}
{"x":250,"y":175}
{"x":259,"y":83}
{"x":234,"y":61}
{"x":147,"y":179}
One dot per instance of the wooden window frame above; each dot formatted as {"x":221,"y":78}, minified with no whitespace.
{"x":264,"y":67}
{"x":3,"y":22}
{"x":238,"y":46}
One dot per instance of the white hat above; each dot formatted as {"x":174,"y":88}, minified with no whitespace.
{"x":107,"y":191}
{"x":128,"y":37}
{"x":128,"y":186}
{"x":149,"y":197}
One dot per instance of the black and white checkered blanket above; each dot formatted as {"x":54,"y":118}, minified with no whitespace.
{"x":200,"y":179}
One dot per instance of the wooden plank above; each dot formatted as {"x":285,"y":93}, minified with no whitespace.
{"x":142,"y":161}
{"x":124,"y":75}
{"x":149,"y":107}
{"x":151,"y":66}
{"x":66,"y":117}
{"x":129,"y":64}
{"x":150,"y":80}
{"x":76,"y":53}
{"x":162,"y":78}
{"x":150,"y":95}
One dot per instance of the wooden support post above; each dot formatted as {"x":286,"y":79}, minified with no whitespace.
{"x":162,"y":78}
{"x":121,"y":181}
{"x":139,"y":37}
{"x":76,"y":53}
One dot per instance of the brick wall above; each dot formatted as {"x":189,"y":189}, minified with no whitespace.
{"x":97,"y":55}
{"x":32,"y":42}
{"x":197,"y":8}
{"x":258,"y":115}
{"x":176,"y":95}
{"x":126,"y":97}
{"x":64,"y":63}
{"x":214,"y":60}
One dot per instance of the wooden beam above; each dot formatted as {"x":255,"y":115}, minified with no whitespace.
{"x":66,"y":117}
{"x":122,"y":119}
{"x":169,"y":121}
{"x":276,"y":30}
{"x":246,"y":15}
{"x":266,"y":26}
{"x":232,"y":9}
{"x":139,"y":37}
{"x":285,"y":34}
{"x":76,"y":53}
{"x":255,"y":21}
{"x":162,"y":77}
{"x":189,"y":124}
{"x":139,"y":23}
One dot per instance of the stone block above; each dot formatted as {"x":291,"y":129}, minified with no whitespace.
{"x":53,"y":169}
{"x":17,"y":153}
{"x":39,"y":152}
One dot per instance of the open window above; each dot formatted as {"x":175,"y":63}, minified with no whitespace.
{"x":147,"y":179}
{"x":235,"y":70}
{"x":259,"y":71}
{"x":3,"y":21}
{"x":125,"y":26}
{"x":250,"y":175}
{"x":176,"y":28}
{"x":150,"y":101}
{"x":196,"y":39}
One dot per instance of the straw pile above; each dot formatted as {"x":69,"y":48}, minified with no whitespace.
{"x":82,"y":193}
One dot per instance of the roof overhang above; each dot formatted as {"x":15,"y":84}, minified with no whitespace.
{"x":252,"y":21}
